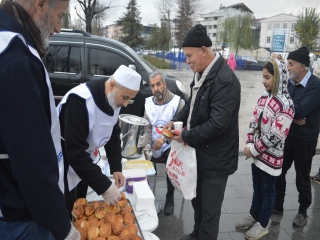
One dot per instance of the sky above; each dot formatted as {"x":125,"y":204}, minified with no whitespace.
{"x":261,"y":9}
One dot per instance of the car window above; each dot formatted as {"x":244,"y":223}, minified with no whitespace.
{"x":105,"y":63}
{"x":143,"y":62}
{"x":63,"y":59}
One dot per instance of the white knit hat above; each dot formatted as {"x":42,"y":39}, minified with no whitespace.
{"x":128,"y":78}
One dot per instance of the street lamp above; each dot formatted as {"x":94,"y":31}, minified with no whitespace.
{"x":174,"y":48}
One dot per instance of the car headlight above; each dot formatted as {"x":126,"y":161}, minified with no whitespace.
{"x":181,"y":87}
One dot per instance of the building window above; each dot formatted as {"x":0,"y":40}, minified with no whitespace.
{"x":268,"y":39}
{"x":291,"y":40}
{"x":285,"y":26}
{"x":214,"y":34}
{"x":210,"y":26}
{"x":269,"y":26}
{"x":277,"y":25}
{"x":214,"y":26}
{"x":210,"y":34}
{"x":215,"y":18}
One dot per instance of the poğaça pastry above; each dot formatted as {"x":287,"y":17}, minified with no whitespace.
{"x":100,"y":221}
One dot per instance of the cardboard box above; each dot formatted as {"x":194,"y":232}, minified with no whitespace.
{"x":143,"y":196}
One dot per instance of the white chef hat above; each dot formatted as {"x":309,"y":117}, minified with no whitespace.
{"x":127,"y":78}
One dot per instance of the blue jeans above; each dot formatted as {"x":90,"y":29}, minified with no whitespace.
{"x":264,"y":194}
{"x":24,"y":230}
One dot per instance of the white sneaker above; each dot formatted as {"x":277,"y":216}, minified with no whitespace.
{"x":257,"y":231}
{"x":246,"y":223}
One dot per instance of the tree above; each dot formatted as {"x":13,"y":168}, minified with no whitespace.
{"x":90,"y":9}
{"x":66,"y":21}
{"x":165,"y":8}
{"x":185,"y":17}
{"x":160,"y":38}
{"x":131,"y":26}
{"x":237,"y":32}
{"x":307,"y":28}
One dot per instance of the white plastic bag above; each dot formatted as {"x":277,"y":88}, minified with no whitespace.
{"x":182,"y":169}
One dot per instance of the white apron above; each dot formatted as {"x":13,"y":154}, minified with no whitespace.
{"x":5,"y":38}
{"x":100,"y":128}
{"x":160,"y":115}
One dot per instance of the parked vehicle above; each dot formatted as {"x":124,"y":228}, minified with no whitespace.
{"x":76,"y":57}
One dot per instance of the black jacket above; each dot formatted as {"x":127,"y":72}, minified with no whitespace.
{"x":214,"y":129}
{"x":29,"y":178}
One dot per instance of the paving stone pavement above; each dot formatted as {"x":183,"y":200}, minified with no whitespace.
{"x":239,"y":190}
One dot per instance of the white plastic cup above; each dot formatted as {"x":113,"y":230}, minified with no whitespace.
{"x":178,"y":125}
{"x":148,"y":155}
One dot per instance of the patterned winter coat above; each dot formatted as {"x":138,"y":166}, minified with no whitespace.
{"x":269,"y":127}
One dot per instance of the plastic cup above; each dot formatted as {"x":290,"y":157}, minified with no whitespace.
{"x":178,"y":125}
{"x":148,"y":155}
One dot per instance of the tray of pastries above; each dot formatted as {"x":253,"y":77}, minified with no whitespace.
{"x":99,"y":221}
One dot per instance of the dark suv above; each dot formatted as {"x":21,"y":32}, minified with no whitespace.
{"x":75,"y":57}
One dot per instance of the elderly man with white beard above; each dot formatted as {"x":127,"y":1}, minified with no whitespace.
{"x":88,"y":117}
{"x":32,"y":204}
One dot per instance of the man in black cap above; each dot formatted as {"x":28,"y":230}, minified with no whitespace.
{"x":211,"y":117}
{"x":300,"y":145}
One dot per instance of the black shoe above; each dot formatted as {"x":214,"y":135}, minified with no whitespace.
{"x":300,"y":220}
{"x":188,"y":237}
{"x":169,"y":206}
{"x":275,"y":211}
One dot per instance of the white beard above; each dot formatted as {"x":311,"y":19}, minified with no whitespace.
{"x":42,"y":24}
{"x":111,"y":97}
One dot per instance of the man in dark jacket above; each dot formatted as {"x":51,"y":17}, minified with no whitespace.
{"x":211,"y":117}
{"x":300,"y":145}
{"x":31,"y":202}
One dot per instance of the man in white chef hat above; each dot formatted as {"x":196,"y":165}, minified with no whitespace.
{"x":88,"y":117}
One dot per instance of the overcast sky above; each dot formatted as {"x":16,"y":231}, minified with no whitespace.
{"x":261,"y":9}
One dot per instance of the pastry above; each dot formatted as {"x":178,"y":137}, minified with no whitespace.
{"x":105,"y":230}
{"x":83,"y":233}
{"x":113,"y":238}
{"x":96,"y":204}
{"x":93,"y":232}
{"x":100,"y":212}
{"x":77,"y":223}
{"x":119,"y":218}
{"x":128,"y":218}
{"x":122,"y":203}
{"x":117,"y":228}
{"x":109,"y":218}
{"x":167,"y":133}
{"x":93,"y":221}
{"x":131,"y":228}
{"x":125,"y":209}
{"x":80,"y":202}
{"x":99,"y":238}
{"x":132,"y":237}
{"x":89,"y":209}
{"x":77,"y":212}
{"x":122,"y":196}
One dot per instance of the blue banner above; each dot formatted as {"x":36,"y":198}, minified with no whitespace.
{"x":278,"y":43}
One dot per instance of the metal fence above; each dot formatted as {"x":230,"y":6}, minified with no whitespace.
{"x":177,"y":59}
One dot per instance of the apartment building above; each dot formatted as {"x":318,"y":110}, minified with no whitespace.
{"x":277,"y":33}
{"x":113,"y":31}
{"x":213,"y":20}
